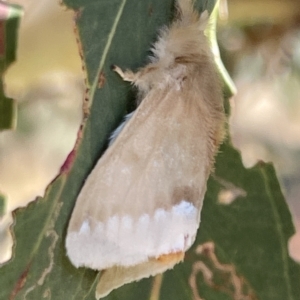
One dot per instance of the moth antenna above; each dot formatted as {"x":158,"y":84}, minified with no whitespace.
{"x":185,"y":10}
{"x":186,"y":14}
{"x":203,"y":20}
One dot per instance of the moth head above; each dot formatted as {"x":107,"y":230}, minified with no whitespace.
{"x":185,"y":39}
{"x":186,"y":14}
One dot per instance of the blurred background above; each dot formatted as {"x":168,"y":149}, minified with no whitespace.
{"x":260,"y":47}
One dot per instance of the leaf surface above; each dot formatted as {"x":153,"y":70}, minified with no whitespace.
{"x":245,"y":241}
{"x":10,"y":15}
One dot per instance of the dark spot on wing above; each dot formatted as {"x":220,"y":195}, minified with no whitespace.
{"x":187,"y":193}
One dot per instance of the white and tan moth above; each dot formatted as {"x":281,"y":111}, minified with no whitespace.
{"x":139,"y":209}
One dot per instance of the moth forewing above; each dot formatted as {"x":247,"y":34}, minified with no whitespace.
{"x":142,"y":201}
{"x":152,"y":194}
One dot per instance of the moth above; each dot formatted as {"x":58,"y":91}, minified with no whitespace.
{"x":139,"y":209}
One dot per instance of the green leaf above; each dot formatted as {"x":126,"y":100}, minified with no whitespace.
{"x":249,"y":235}
{"x":10,"y":15}
{"x":2,"y":205}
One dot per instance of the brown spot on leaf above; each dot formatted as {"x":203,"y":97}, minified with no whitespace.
{"x":20,"y":283}
{"x":218,"y":276}
{"x":150,"y":10}
{"x":78,"y":14}
{"x":66,"y":167}
{"x":86,"y":104}
{"x":101,"y":80}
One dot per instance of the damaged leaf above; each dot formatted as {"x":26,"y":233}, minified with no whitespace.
{"x":249,"y":257}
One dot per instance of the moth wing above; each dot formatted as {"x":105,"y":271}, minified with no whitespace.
{"x":117,"y":276}
{"x":144,"y":196}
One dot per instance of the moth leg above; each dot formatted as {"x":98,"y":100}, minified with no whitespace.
{"x":127,"y":75}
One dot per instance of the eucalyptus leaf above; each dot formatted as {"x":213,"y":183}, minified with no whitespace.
{"x":245,"y":221}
